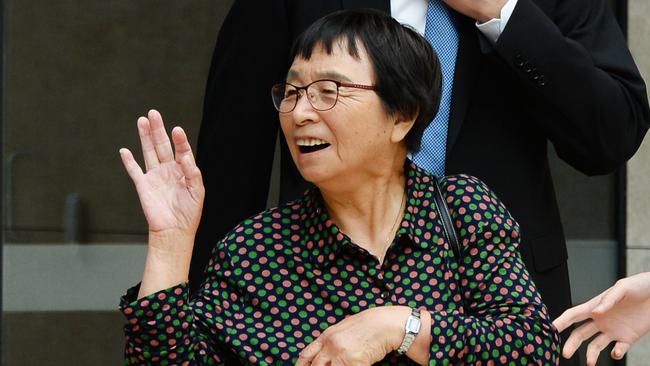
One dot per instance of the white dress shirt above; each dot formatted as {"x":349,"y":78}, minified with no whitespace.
{"x":414,"y":13}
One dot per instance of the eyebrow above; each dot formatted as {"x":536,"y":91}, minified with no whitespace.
{"x":292,"y":74}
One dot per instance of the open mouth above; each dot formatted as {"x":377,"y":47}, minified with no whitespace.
{"x":311,"y":145}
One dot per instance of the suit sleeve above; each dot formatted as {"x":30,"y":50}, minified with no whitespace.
{"x":239,"y":127}
{"x":574,"y":59}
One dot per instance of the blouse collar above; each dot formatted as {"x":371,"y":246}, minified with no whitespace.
{"x":323,"y":240}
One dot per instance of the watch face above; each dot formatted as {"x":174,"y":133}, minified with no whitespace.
{"x":413,"y":325}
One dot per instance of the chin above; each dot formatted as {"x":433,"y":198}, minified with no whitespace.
{"x":316,"y":173}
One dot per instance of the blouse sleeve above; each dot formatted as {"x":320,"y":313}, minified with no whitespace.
{"x":170,"y":327}
{"x":503,"y":318}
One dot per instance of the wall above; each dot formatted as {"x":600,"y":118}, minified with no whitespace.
{"x":638,"y":172}
{"x":77,"y":75}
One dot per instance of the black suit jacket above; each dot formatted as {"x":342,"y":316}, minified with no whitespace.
{"x":560,"y":72}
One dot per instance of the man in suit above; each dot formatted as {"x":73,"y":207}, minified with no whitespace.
{"x":556,"y":71}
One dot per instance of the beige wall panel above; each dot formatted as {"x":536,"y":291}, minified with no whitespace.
{"x":638,"y":176}
{"x":638,"y":179}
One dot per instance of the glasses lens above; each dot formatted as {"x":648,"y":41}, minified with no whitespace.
{"x":323,"y":94}
{"x":284,"y":97}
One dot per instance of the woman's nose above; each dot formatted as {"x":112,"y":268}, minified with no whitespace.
{"x":304,"y":112}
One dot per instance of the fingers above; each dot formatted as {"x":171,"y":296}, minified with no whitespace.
{"x":610,"y":298}
{"x":321,"y":360}
{"x":308,"y":354}
{"x":619,"y":350}
{"x":193,"y":179}
{"x":575,"y":314}
{"x":595,"y":347}
{"x":148,"y":149}
{"x":579,"y":335}
{"x":159,"y":137}
{"x":131,"y":166}
{"x":185,"y":158}
{"x":156,"y":146}
{"x":182,"y":145}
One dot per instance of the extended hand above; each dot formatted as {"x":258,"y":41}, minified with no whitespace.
{"x":171,"y":191}
{"x":619,"y":314}
{"x":359,"y":340}
{"x":481,"y":10}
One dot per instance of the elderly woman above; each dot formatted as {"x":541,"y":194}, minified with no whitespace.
{"x":358,"y":271}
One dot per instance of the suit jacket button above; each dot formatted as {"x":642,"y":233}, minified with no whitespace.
{"x":519,"y":60}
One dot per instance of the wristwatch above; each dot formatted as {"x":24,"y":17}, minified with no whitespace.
{"x":412,"y":328}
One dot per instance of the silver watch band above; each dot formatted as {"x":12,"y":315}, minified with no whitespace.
{"x":412,"y":328}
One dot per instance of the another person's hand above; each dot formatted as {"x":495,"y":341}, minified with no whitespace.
{"x":171,"y":194}
{"x":480,"y":10}
{"x":620,"y":314}
{"x":361,"y":339}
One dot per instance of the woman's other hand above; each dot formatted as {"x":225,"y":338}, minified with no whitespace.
{"x":171,"y":193}
{"x":619,"y":314}
{"x":366,"y":338}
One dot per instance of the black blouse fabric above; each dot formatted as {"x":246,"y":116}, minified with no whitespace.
{"x":278,"y":279}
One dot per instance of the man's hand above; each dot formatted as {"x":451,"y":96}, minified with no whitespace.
{"x":619,"y":314}
{"x":481,"y":10}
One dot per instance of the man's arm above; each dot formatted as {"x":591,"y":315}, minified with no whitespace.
{"x":239,"y":127}
{"x":574,"y":58}
{"x":589,"y":98}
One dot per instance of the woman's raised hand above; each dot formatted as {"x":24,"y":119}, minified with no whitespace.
{"x":171,"y":194}
{"x":171,"y":190}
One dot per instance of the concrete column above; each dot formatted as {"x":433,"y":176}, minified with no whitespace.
{"x":638,"y":172}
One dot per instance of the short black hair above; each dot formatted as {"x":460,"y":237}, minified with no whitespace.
{"x":406,"y":68}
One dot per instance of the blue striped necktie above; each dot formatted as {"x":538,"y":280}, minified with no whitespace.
{"x":440,"y":30}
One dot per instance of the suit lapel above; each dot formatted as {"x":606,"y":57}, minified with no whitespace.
{"x":467,"y":63}
{"x":374,"y":4}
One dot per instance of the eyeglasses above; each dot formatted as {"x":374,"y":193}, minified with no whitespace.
{"x":321,"y":94}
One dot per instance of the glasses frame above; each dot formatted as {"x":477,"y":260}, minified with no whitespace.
{"x":306,"y":87}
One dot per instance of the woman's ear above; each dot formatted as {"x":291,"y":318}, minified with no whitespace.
{"x":401,"y":127}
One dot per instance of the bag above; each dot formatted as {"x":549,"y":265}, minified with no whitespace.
{"x":447,"y":224}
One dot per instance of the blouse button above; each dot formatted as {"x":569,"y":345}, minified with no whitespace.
{"x":384,"y":295}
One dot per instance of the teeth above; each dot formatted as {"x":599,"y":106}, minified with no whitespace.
{"x":310,"y":142}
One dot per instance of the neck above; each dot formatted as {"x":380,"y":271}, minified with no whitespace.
{"x":371,"y":211}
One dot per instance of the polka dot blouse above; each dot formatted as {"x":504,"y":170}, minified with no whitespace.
{"x":279,"y":279}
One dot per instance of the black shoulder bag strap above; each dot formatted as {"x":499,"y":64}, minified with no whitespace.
{"x":447,"y":224}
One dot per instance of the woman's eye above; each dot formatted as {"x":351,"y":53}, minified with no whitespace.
{"x":290,"y":93}
{"x":326,"y":90}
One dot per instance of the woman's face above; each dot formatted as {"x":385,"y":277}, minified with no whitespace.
{"x":354,"y":139}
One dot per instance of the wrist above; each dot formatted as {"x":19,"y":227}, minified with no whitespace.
{"x":412,"y":330}
{"x":397,"y":331}
{"x":170,"y":251}
{"x":490,"y":10}
{"x":168,"y":261}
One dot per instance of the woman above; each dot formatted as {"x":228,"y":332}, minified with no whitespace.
{"x":358,"y":271}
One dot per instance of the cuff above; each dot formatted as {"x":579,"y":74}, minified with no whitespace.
{"x":493,"y":28}
{"x":145,"y":313}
